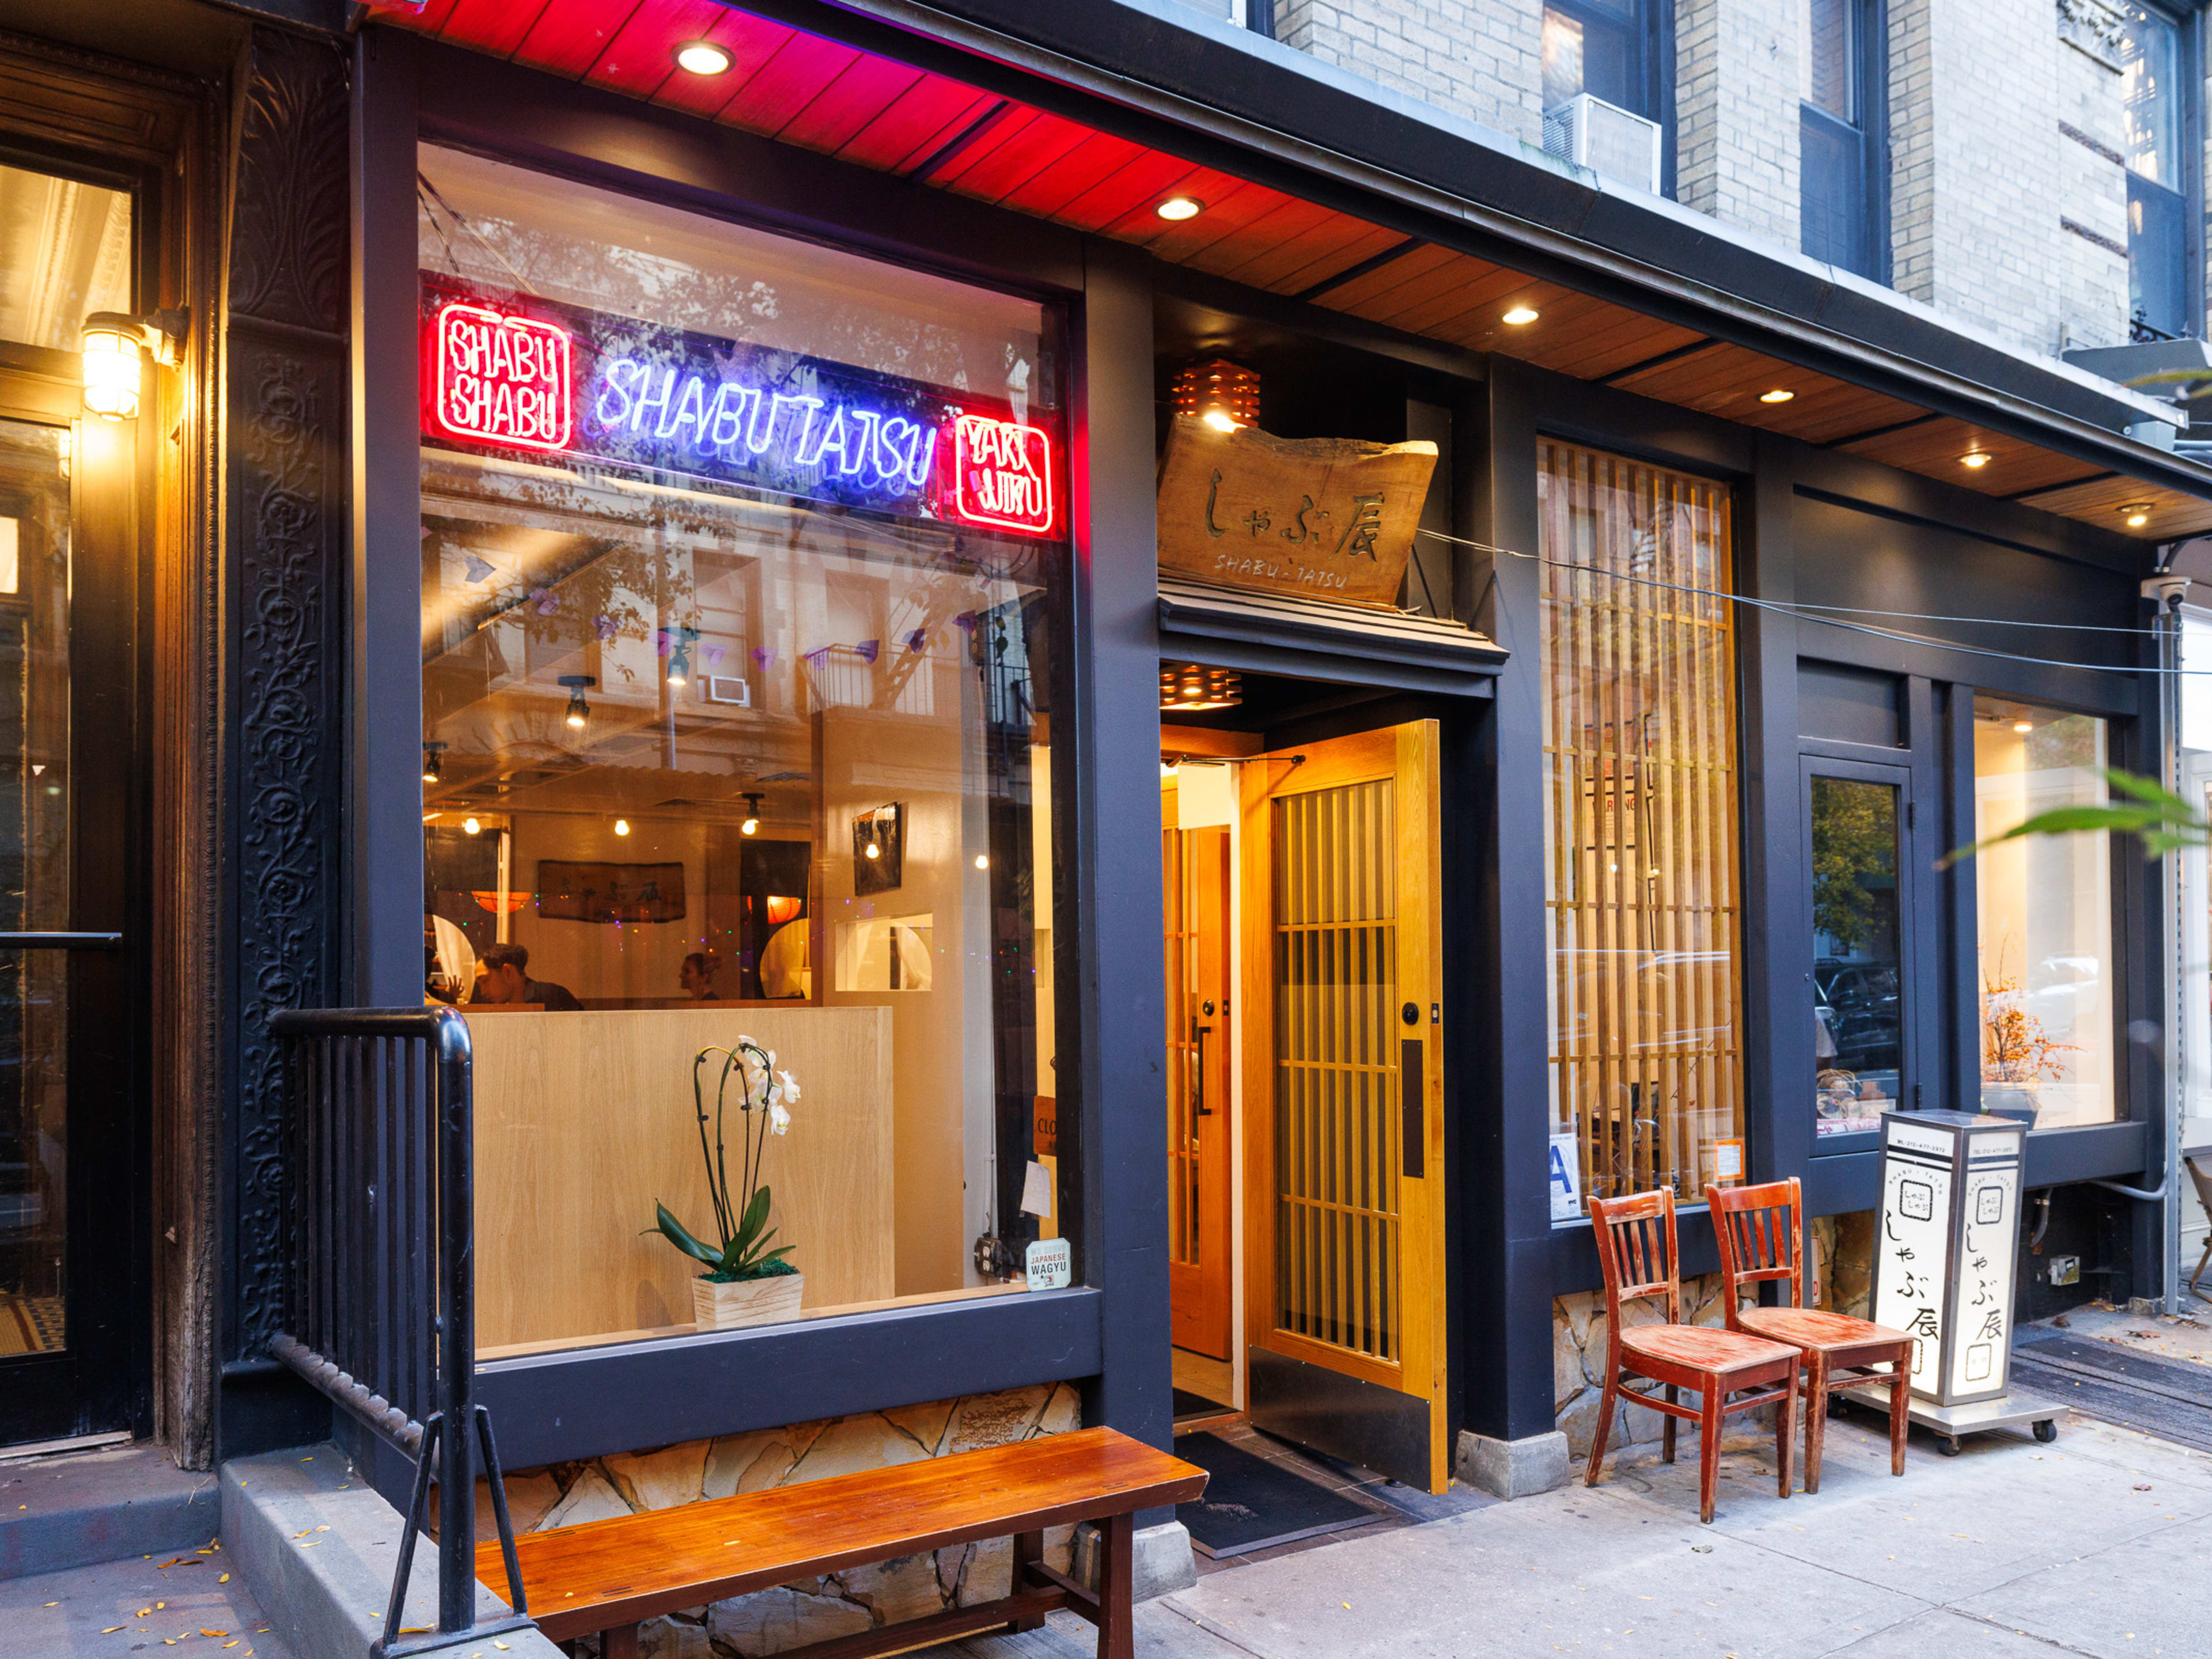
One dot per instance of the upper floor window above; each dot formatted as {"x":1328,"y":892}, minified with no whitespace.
{"x":1841,"y":124}
{"x":1602,"y":47}
{"x":2158,"y":216}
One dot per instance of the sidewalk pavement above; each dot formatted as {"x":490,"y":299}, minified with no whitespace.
{"x":190,"y":1603}
{"x":2095,"y":1545}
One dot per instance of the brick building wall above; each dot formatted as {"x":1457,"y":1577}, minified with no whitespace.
{"x":1736,"y":87}
{"x":2007,"y":204}
{"x":1478,"y":58}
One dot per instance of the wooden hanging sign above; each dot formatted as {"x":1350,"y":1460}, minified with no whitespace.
{"x":1328,"y":518}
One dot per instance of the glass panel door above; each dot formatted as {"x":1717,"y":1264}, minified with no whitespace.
{"x":1860,"y":865}
{"x":34,"y":867}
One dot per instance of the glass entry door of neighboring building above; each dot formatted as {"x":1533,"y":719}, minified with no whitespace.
{"x":73,"y":1239}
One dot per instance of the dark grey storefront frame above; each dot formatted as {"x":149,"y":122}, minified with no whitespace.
{"x":1109,"y":1333}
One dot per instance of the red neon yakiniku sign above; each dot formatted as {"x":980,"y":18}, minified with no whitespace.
{"x":1002,"y":475}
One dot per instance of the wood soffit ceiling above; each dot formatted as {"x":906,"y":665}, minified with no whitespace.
{"x":800,"y":88}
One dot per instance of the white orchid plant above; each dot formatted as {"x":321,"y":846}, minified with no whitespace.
{"x":765,"y":1097}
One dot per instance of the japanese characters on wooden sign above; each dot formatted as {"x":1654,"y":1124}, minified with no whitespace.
{"x":1943,"y":1259}
{"x":1327,"y":518}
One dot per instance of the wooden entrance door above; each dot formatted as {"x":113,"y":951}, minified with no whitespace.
{"x":1343,"y":1097}
{"x":1195,"y":882}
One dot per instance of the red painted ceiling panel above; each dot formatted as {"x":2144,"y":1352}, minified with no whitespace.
{"x":791,"y":81}
{"x":1229,"y":203}
{"x":493,"y":26}
{"x":642,"y":54}
{"x":752,"y":43}
{"x":866,"y":88}
{"x":1096,"y":158}
{"x":933,"y":113}
{"x":1139,"y":188}
{"x":568,"y":39}
{"x":1013,"y":153}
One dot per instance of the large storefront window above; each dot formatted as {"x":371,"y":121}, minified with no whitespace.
{"x":2045,"y":918}
{"x":1640,"y":808}
{"x":739,"y":562}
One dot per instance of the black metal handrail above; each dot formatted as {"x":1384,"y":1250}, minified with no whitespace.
{"x":379,"y":1291}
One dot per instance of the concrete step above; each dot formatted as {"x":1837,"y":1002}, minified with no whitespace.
{"x":78,"y":1509}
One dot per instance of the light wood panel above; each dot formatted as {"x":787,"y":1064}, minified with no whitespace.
{"x":2099,"y":502}
{"x":1344,"y":1248}
{"x":584,"y":1121}
{"x":1933,"y":448}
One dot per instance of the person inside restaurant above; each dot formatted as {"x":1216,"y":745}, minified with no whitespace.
{"x":504,"y":977}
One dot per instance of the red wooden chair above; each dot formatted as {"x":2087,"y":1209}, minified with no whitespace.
{"x":1760,"y":1232}
{"x":1636,"y":1247}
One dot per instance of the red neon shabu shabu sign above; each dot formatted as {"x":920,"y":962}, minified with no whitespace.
{"x":1002,"y":475}
{"x":502,"y":378}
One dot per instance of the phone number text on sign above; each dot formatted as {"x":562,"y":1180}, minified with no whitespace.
{"x":503,"y":379}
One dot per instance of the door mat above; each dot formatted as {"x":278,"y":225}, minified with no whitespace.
{"x":2168,"y":1398}
{"x":1188,"y":1404}
{"x":1250,"y":1503}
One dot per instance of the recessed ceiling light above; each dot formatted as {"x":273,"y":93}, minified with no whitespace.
{"x":2023,"y":727}
{"x":1521,"y":315}
{"x":2136,"y":515}
{"x":1975,"y":458}
{"x":702,"y":58}
{"x":1176,"y":209}
{"x":1779,"y":395}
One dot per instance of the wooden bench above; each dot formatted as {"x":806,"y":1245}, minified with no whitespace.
{"x":607,"y":1575}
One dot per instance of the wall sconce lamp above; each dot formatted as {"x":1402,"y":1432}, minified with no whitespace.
{"x":579,"y":712}
{"x":752,"y":825}
{"x":113,"y":371}
{"x":434,"y":760}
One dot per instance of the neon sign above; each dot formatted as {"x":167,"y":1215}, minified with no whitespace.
{"x":616,"y":390}
{"x":1002,"y":475}
{"x":502,"y":378}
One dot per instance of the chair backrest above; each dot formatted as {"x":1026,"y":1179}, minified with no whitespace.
{"x":2202,"y":1177}
{"x":1760,"y":1237}
{"x":1636,"y":1248}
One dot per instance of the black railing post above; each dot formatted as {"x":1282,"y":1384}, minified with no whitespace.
{"x":457,"y":1338}
{"x":380,"y":1287}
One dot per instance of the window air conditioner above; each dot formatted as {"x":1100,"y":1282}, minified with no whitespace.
{"x":1611,"y":142}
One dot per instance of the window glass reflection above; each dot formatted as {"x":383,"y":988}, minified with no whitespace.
{"x":1858,"y":964}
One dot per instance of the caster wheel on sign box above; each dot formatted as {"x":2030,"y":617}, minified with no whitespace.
{"x":1838,"y":1406}
{"x":1947,"y":1448}
{"x":2046,"y":1431}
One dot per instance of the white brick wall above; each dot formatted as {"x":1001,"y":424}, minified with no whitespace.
{"x":1479,"y":58}
{"x":1736,"y":87}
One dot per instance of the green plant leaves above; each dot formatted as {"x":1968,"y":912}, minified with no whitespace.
{"x":677,"y":1234}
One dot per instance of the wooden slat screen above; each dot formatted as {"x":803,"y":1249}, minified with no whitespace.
{"x":1641,"y":875}
{"x":1337,"y":1145}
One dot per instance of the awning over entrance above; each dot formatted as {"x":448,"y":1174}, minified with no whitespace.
{"x":956,"y":133}
{"x":1283,"y":634}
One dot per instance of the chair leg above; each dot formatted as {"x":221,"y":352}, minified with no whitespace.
{"x":1709,"y":1448}
{"x":2201,"y":1260}
{"x":1604,"y":1430}
{"x":1116,"y":1590}
{"x":1816,"y":1417}
{"x":1786,"y":1435}
{"x":1667,"y":1432}
{"x":1900,"y":1411}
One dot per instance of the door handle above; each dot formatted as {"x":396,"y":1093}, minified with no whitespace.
{"x":1414,"y":1097}
{"x":1198,"y":1108}
{"x":52,"y":941}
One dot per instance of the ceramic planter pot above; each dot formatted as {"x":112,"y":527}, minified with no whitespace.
{"x":745,"y":1301}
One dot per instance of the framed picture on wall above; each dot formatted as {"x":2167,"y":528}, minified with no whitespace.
{"x":878,"y":850}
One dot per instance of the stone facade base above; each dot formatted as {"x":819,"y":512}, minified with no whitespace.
{"x":1162,"y":1559}
{"x":1513,"y":1468}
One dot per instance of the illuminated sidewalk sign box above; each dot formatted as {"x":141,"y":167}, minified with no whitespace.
{"x":543,"y":377}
